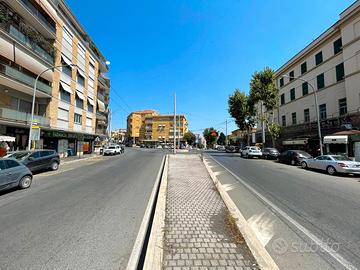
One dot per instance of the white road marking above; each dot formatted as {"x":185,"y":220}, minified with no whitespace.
{"x":300,"y":227}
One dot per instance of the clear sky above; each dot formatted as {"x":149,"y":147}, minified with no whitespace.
{"x":200,"y":49}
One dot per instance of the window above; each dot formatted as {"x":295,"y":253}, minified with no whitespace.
{"x":293,"y":118}
{"x":283,"y":120}
{"x":322,"y":111}
{"x":35,"y":155}
{"x":47,"y":153}
{"x":64,"y":95}
{"x":11,"y":163}
{"x":41,"y":109}
{"x":80,"y":79}
{"x":337,"y":46}
{"x":305,"y":88}
{"x":2,"y":165}
{"x":66,"y":69}
{"x":292,"y":94}
{"x":79,"y":102}
{"x":291,"y":75}
{"x":306,"y":115}
{"x":90,"y":107}
{"x":318,"y":58}
{"x":340,"y":73}
{"x":281,"y":82}
{"x":303,"y":68}
{"x":25,"y":106}
{"x":14,"y":103}
{"x":320,"y":81}
{"x":342,"y":106}
{"x":77,"y":118}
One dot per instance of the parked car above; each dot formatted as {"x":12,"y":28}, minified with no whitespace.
{"x":270,"y":153}
{"x":112,"y":150}
{"x":230,"y":149}
{"x":37,"y":160}
{"x":14,"y":174}
{"x":293,"y":157}
{"x":251,"y":152}
{"x":332,"y":164}
{"x":221,"y":148}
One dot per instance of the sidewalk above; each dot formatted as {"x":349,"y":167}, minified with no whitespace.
{"x":199,"y":232}
{"x":75,"y":158}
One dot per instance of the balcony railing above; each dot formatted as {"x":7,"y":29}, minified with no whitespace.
{"x":10,"y":114}
{"x":24,"y":78}
{"x":34,"y":11}
{"x":103,"y":81}
{"x":100,"y":96}
{"x":25,"y":40}
{"x":100,"y":116}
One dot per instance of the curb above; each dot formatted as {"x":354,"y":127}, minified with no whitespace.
{"x":76,"y":160}
{"x":136,"y":252}
{"x":155,"y":249}
{"x":259,"y":252}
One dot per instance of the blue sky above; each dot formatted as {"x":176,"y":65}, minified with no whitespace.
{"x":200,"y":49}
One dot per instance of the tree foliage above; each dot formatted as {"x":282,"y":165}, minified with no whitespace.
{"x":190,"y":138}
{"x":222,"y":139}
{"x":211,"y":136}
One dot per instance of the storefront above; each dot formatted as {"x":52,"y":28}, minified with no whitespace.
{"x":344,"y":143}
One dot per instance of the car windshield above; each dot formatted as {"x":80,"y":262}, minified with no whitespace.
{"x":341,"y":158}
{"x":111,"y":147}
{"x":19,"y":155}
{"x":254,"y":148}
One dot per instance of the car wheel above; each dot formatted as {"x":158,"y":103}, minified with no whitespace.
{"x":25,"y":182}
{"x":265,"y":157}
{"x":292,"y":162}
{"x":304,"y":165}
{"x":331,"y":170}
{"x":54,"y":166}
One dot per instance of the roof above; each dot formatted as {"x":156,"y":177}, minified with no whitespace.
{"x":145,"y":111}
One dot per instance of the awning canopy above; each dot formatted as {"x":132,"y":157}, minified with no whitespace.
{"x":101,"y":106}
{"x":81,"y":72}
{"x":91,"y":101}
{"x":66,"y":60}
{"x":4,"y":138}
{"x":336,"y":139}
{"x":80,"y":95}
{"x":66,"y":87}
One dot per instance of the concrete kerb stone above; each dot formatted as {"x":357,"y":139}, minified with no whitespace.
{"x":263,"y":258}
{"x":64,"y":161}
{"x":155,"y":249}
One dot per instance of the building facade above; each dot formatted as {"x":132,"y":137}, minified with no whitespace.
{"x":72,"y":99}
{"x":150,"y":127}
{"x":330,"y":65}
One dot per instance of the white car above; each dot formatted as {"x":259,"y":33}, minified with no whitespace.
{"x":112,"y":150}
{"x":251,"y":152}
{"x":332,"y":164}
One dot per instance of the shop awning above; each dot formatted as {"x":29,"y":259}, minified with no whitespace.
{"x":101,"y":106}
{"x":4,"y":138}
{"x":339,"y":139}
{"x":66,"y":87}
{"x":80,"y":95}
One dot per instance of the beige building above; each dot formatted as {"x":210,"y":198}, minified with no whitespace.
{"x":71,"y":101}
{"x":331,"y":64}
{"x":150,"y":127}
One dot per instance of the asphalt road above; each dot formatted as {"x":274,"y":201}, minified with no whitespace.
{"x":85,"y":216}
{"x":328,"y":206}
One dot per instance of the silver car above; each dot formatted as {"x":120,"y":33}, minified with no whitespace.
{"x":14,"y":174}
{"x":332,"y":164}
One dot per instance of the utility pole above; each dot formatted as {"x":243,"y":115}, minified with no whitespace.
{"x":226,"y":134}
{"x":179,"y":132}
{"x":174,"y":123}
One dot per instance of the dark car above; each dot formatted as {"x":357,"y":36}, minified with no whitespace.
{"x":230,"y":149}
{"x":37,"y":160}
{"x":270,"y":153}
{"x":293,"y":157}
{"x":14,"y":174}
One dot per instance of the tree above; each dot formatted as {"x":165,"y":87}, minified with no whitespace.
{"x":210,"y":135}
{"x":222,"y":139}
{"x":241,"y":108}
{"x":263,"y":90}
{"x":190,"y":138}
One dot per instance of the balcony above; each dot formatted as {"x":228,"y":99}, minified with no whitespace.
{"x":103,"y":82}
{"x":17,"y":116}
{"x":26,"y":41}
{"x":24,"y":78}
{"x":36,"y":13}
{"x":101,"y":96}
{"x":100,"y":116}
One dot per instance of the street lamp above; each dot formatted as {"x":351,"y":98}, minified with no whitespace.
{"x":33,"y":99}
{"x":316,"y":109}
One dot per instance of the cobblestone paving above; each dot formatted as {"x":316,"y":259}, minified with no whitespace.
{"x":196,"y":235}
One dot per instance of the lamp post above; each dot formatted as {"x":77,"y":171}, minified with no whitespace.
{"x":316,"y":110}
{"x":33,"y":99}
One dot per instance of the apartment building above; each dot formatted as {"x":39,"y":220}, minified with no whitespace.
{"x":71,"y":100}
{"x":331,"y":65}
{"x":150,"y":127}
